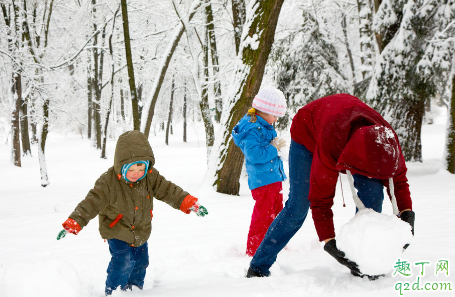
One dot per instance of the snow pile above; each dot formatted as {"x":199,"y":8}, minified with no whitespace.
{"x":54,"y":278}
{"x":374,"y":241}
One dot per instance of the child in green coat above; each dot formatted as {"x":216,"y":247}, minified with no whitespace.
{"x":123,"y":200}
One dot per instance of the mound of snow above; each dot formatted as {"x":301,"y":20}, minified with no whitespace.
{"x":45,"y":278}
{"x":374,"y":241}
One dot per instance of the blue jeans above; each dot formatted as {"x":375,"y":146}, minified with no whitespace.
{"x":127,"y":266}
{"x":294,"y":213}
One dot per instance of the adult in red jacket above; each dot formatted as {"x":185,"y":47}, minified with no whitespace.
{"x":334,"y":134}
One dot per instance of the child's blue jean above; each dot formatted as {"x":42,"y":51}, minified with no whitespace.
{"x":291,"y":218}
{"x":127,"y":266}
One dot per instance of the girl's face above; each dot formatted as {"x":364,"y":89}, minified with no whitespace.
{"x":267,"y":117}
{"x":135,"y":172}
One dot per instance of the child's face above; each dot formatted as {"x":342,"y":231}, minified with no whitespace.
{"x":135,"y":172}
{"x":269,"y":118}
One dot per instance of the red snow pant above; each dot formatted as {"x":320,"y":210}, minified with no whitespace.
{"x":269,"y":203}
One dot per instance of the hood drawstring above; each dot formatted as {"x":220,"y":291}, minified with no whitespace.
{"x":342,"y":194}
{"x":394,"y":199}
{"x":358,"y":203}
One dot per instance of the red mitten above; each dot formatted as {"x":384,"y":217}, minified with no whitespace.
{"x":71,"y":226}
{"x":187,"y":203}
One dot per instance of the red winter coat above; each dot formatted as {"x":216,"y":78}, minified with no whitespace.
{"x":325,"y":127}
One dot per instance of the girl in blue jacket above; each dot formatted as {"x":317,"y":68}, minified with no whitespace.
{"x":257,"y":139}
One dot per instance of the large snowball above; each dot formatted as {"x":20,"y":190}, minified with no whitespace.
{"x":53,"y":278}
{"x":374,"y":241}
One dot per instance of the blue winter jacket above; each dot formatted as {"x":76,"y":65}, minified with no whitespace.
{"x":263,"y":164}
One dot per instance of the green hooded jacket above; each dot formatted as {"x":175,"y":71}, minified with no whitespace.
{"x":125,"y":208}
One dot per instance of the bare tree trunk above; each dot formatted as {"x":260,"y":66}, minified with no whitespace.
{"x":377,"y":35}
{"x":140,"y":104}
{"x":204,"y":104}
{"x":169,"y":119}
{"x":89,"y":97}
{"x":26,"y":149}
{"x":15,"y":122}
{"x":247,"y":81}
{"x":129,"y":62}
{"x":108,"y":113}
{"x":215,"y":63}
{"x":366,"y":37}
{"x":11,"y":17}
{"x":184,"y":112}
{"x":386,"y":35}
{"x":238,"y":15}
{"x":428,"y":118}
{"x":348,"y":48}
{"x":122,"y":105}
{"x":42,"y":144}
{"x":32,"y":112}
{"x":23,"y":100}
{"x":98,"y":58}
{"x":450,"y":139}
{"x":96,"y":101}
{"x":149,"y":108}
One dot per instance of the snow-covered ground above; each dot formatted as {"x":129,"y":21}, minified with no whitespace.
{"x":194,"y":256}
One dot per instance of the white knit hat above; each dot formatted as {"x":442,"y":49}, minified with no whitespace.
{"x":270,"y":100}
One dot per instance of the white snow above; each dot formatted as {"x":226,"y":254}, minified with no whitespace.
{"x":190,"y":255}
{"x":374,"y":241}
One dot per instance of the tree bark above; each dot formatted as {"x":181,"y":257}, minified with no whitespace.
{"x":140,"y":104}
{"x":238,"y":16}
{"x":89,"y":97}
{"x":25,"y":138}
{"x":450,"y":142}
{"x":204,"y":104}
{"x":33,"y":121}
{"x":386,"y":35}
{"x":129,"y":62}
{"x":377,"y":35}
{"x":96,"y":86}
{"x":15,"y":122}
{"x":365,"y":34}
{"x":247,"y":81}
{"x":97,"y":83}
{"x":184,"y":112}
{"x":42,"y":144}
{"x":215,"y":64}
{"x":169,"y":119}
{"x":122,"y":105}
{"x":348,"y":48}
{"x":108,"y":113}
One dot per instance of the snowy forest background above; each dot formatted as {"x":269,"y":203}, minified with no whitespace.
{"x":75,"y":74}
{"x":102,"y":67}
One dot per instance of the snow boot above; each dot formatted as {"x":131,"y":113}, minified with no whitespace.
{"x":251,"y":273}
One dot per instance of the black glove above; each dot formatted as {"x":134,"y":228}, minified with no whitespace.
{"x":409,"y":217}
{"x":331,"y":248}
{"x":370,"y":277}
